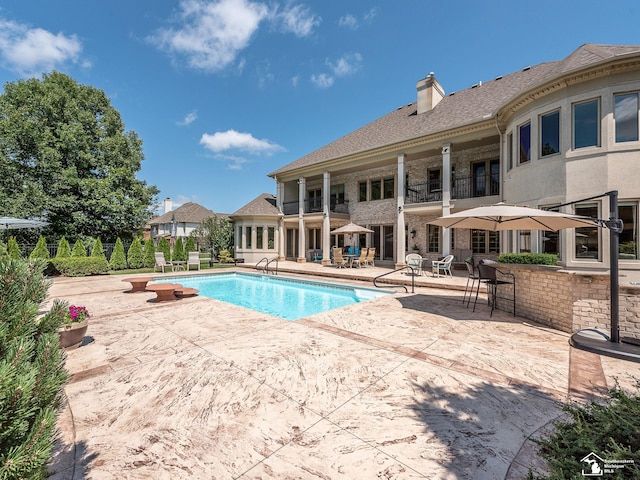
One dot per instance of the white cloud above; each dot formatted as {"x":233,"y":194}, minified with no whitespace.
{"x":188,"y":119}
{"x":233,"y":140}
{"x":295,"y":80}
{"x":34,"y":50}
{"x":322,"y":80}
{"x":298,"y":20}
{"x":346,"y":65}
{"x":348,"y":21}
{"x":371,"y":14}
{"x":212,"y":33}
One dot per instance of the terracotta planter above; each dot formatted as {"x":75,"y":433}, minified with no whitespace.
{"x":71,"y":335}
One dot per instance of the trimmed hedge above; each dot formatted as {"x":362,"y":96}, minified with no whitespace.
{"x":80,"y":266}
{"x":529,"y":258}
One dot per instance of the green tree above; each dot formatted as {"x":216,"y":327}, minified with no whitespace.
{"x":118,"y":261}
{"x":32,"y":370}
{"x":13,"y":248}
{"x":135,"y":256}
{"x":163,"y":246}
{"x":149,"y":254}
{"x":41,"y":250}
{"x":78,"y":249}
{"x":216,"y":233}
{"x":190,"y":246}
{"x":64,"y":249}
{"x":178,"y":251}
{"x":98,"y":250}
{"x":65,"y":156}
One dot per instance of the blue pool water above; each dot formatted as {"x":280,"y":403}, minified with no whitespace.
{"x":282,"y":297}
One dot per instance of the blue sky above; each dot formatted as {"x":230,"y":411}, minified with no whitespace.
{"x":224,"y":92}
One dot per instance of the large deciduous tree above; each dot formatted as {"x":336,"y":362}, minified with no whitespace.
{"x":65,"y":157}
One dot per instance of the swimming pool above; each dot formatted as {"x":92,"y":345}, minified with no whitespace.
{"x":284,"y":297}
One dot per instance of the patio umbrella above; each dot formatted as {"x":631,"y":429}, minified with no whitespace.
{"x":351,"y":229}
{"x":10,"y":223}
{"x":510,"y":217}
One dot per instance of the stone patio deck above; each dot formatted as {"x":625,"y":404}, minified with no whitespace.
{"x":411,"y":385}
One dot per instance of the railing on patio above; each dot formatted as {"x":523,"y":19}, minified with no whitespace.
{"x":406,"y":267}
{"x":470,"y":186}
{"x":314,"y":205}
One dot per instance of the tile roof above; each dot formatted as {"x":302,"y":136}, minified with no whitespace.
{"x":264,"y":204}
{"x":461,"y":108}
{"x":188,"y":213}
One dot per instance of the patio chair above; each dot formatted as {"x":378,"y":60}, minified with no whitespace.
{"x":488,"y":274}
{"x":443,"y":265}
{"x":361,"y":261}
{"x":473,"y":276}
{"x":338,"y":259}
{"x":414,"y":261}
{"x":161,"y":262}
{"x":371,"y":257}
{"x":194,"y":259}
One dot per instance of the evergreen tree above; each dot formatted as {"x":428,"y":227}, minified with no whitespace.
{"x":78,"y":249}
{"x":41,"y":250}
{"x":190,"y":246}
{"x":149,"y":254}
{"x":178,"y":251}
{"x":64,"y":249}
{"x":163,"y":246}
{"x":98,"y":250}
{"x":13,"y":248}
{"x":118,"y":261}
{"x":32,"y":372}
{"x":135,"y":257}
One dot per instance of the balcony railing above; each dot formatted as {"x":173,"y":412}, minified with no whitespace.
{"x":461,"y":187}
{"x":315,"y":206}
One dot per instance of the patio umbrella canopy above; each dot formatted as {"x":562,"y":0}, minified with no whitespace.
{"x":351,"y":228}
{"x":10,"y":223}
{"x":510,"y":217}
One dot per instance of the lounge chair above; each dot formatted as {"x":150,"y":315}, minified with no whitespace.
{"x":338,"y":259}
{"x":361,"y":261}
{"x":161,"y":262}
{"x":443,"y":265}
{"x":371,"y":257}
{"x":414,"y":261}
{"x":194,"y":259}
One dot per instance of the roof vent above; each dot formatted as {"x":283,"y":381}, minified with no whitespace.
{"x":526,"y":68}
{"x":499,"y":77}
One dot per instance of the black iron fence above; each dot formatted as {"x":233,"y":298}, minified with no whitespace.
{"x":314,"y":205}
{"x":27,"y":248}
{"x":471,"y":186}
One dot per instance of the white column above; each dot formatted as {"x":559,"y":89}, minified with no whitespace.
{"x":446,"y":196}
{"x":280,"y":239}
{"x":400,"y":238}
{"x":302,"y":187}
{"x":326,"y":220}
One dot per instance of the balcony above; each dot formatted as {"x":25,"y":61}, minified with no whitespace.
{"x":471,"y":186}
{"x":314,"y":205}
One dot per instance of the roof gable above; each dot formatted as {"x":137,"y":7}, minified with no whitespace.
{"x":188,"y":213}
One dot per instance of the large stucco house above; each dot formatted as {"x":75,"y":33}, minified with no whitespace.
{"x":542,"y":136}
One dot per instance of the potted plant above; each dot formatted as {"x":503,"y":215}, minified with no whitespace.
{"x":75,"y":322}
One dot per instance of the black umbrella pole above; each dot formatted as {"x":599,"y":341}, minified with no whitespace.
{"x":614,"y":235}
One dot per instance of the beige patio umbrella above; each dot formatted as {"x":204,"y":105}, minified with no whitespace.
{"x":351,"y":229}
{"x":501,"y":216}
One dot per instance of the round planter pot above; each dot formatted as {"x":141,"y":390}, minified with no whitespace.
{"x":71,"y":336}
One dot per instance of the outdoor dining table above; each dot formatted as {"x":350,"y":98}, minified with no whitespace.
{"x":138,"y":284}
{"x":350,"y":257}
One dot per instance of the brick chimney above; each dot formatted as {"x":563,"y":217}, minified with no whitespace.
{"x":430,"y":92}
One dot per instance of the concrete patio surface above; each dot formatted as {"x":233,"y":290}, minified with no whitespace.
{"x":410,"y":385}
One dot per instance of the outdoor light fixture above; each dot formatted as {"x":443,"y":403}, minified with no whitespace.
{"x":413,"y":233}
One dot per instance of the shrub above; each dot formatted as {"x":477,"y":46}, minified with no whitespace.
{"x":609,"y":429}
{"x":98,"y":250}
{"x":78,"y":249}
{"x":80,"y":266}
{"x":135,"y":256}
{"x":13,"y":248}
{"x":64,"y":249}
{"x":178,"y":251}
{"x":529,"y":258}
{"x":225,"y":256}
{"x":32,"y":372}
{"x":149,"y":254}
{"x":163,"y":246}
{"x":41,"y":250}
{"x":190,"y":246}
{"x":118,"y":261}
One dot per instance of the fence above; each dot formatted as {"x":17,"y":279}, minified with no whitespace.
{"x":27,"y":248}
